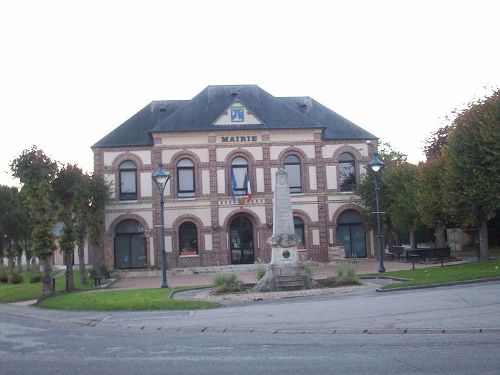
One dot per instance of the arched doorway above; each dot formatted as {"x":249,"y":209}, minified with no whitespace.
{"x":351,"y":234}
{"x":241,"y":240}
{"x":130,"y":245}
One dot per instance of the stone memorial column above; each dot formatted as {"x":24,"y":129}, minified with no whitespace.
{"x":283,"y":241}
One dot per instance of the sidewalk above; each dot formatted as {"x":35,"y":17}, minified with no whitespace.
{"x":323,"y":270}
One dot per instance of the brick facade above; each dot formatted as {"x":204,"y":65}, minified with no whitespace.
{"x":312,"y":204}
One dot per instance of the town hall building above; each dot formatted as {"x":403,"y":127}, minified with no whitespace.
{"x":222,"y":149}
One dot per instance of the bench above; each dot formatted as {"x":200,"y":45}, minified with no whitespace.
{"x":430,"y":253}
{"x":98,"y":274}
{"x":396,"y":250}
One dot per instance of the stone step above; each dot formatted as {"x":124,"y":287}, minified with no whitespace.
{"x":290,"y":279}
{"x":291,"y":287}
{"x":295,"y":282}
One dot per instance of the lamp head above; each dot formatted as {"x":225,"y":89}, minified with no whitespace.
{"x":376,"y":165}
{"x":161,"y":177}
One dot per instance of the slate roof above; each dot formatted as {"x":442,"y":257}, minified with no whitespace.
{"x":199,"y":114}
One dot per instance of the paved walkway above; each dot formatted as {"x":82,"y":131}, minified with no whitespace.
{"x":178,"y":279}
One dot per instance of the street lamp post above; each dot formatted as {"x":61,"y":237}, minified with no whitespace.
{"x":161,"y":177}
{"x":376,"y":166}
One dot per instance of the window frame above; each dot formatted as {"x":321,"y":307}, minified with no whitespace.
{"x":294,"y":189}
{"x":345,"y":185}
{"x":183,"y":235}
{"x":301,"y":227}
{"x":128,"y":196}
{"x":186,"y":193}
{"x":239,"y":191}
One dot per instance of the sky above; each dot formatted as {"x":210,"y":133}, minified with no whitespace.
{"x":71,"y":71}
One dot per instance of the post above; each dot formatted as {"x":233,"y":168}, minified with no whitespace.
{"x":161,"y":177}
{"x":164,"y":283}
{"x":376,"y":166}
{"x":380,"y":253}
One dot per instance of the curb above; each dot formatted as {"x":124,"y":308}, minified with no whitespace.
{"x":174,"y":292}
{"x":464,"y":282}
{"x":384,"y":278}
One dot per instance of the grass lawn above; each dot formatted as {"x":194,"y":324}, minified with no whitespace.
{"x":437,"y":275}
{"x":26,"y":290}
{"x":130,"y":299}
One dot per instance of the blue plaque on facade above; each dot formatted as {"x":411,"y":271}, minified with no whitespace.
{"x":237,"y":115}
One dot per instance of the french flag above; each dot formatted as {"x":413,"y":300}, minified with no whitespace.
{"x":249,"y":191}
{"x":233,"y":186}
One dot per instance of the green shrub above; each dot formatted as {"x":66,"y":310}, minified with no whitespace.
{"x":226,"y":283}
{"x":16,"y":278}
{"x":260,"y":272}
{"x":346,"y":275}
{"x":35,"y":278}
{"x":306,"y":267}
{"x":4,"y":278}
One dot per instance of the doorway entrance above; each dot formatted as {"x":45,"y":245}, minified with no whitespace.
{"x":351,"y":234}
{"x":241,"y":240}
{"x":130,"y":245}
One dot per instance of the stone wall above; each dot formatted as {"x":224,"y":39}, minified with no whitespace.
{"x":336,"y":253}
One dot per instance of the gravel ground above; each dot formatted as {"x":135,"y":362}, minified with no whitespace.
{"x":207,"y":295}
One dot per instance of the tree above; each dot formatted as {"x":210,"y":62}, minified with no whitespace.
{"x":6,"y":203}
{"x":82,"y":198}
{"x":400,"y":181}
{"x":472,"y":167}
{"x":67,"y":188}
{"x":83,"y":215}
{"x":433,"y":148}
{"x":396,"y":194}
{"x":431,"y":197}
{"x":14,"y":225}
{"x":36,"y":171}
{"x":431,"y":185}
{"x":98,"y":192}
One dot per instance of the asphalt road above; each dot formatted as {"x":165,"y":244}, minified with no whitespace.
{"x":454,"y":330}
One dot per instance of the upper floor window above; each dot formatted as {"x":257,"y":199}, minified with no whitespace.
{"x":188,"y":239}
{"x":298,"y":224}
{"x":128,"y":181}
{"x":347,"y":172}
{"x":292,"y":166}
{"x":239,"y":176}
{"x":185,"y":178}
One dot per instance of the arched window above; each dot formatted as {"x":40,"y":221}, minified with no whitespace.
{"x":292,"y":166}
{"x":188,"y":239}
{"x":298,"y":224}
{"x":239,"y":176}
{"x":130,"y":245}
{"x":347,"y":172}
{"x":128,"y":181}
{"x":185,"y":178}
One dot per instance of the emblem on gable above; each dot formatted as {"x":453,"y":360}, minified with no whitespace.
{"x":237,"y":115}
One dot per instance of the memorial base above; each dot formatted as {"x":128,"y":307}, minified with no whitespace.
{"x":285,"y":273}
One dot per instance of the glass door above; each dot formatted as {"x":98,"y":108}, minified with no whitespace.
{"x":352,"y":236}
{"x":130,"y":251}
{"x":241,"y":241}
{"x":358,"y":244}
